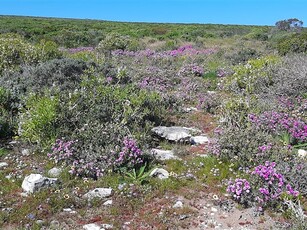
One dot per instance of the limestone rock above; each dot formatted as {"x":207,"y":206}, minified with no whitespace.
{"x":174,"y":133}
{"x":178,"y":204}
{"x":35,"y":182}
{"x":98,"y":193}
{"x":163,"y":154}
{"x":302,"y":153}
{"x":91,"y":227}
{"x":199,"y":140}
{"x":160,"y":173}
{"x":3,"y":164}
{"x":54,"y":172}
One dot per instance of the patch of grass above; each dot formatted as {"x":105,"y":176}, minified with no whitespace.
{"x":3,"y":152}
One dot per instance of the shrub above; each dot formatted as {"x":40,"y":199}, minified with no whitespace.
{"x":297,"y":43}
{"x":100,"y":115}
{"x":37,"y":120}
{"x":58,"y":74}
{"x":246,"y":77}
{"x":266,"y":187}
{"x":113,"y":41}
{"x":243,"y":56}
{"x":289,"y":78}
{"x":14,"y":51}
{"x":7,"y":113}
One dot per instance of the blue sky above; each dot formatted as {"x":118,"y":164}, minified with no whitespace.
{"x":247,"y":12}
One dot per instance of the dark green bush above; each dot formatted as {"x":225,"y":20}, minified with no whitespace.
{"x":61,"y":74}
{"x":297,"y":43}
{"x":242,"y":56}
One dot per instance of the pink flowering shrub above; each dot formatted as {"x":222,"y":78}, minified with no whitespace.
{"x":191,"y":69}
{"x":240,"y":190}
{"x":271,"y":185}
{"x":61,"y":151}
{"x":280,"y":123}
{"x":265,"y":187}
{"x":130,"y":156}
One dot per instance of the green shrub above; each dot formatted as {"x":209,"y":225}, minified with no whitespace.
{"x":14,"y":51}
{"x":113,"y":41}
{"x":242,"y":56}
{"x":7,"y":113}
{"x":246,"y":75}
{"x":37,"y":120}
{"x":297,"y":43}
{"x":48,"y":50}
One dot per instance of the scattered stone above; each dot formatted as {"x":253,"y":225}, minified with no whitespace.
{"x":54,"y":172}
{"x":40,"y":222}
{"x":67,"y":209}
{"x":213,"y":209}
{"x":98,"y":193}
{"x":160,"y":173}
{"x":35,"y":182}
{"x":178,"y":204}
{"x":24,"y":194}
{"x":203,"y":155}
{"x":8,"y":176}
{"x":164,"y":154}
{"x":302,"y":153}
{"x":54,"y":224}
{"x":108,"y":203}
{"x":199,"y":140}
{"x":25,"y":152}
{"x":3,"y":164}
{"x":107,"y":226}
{"x":182,"y":217}
{"x":91,"y":227}
{"x":190,"y":109}
{"x":174,"y":133}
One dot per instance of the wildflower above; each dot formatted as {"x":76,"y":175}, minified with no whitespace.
{"x":66,"y":196}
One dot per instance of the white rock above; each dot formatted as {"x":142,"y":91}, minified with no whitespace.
{"x":160,"y":173}
{"x":164,"y":154}
{"x":107,"y":226}
{"x":174,"y":133}
{"x":98,"y":193}
{"x":35,"y":182}
{"x":67,"y":209}
{"x":3,"y":164}
{"x":25,"y":152}
{"x":108,"y":203}
{"x":178,"y":204}
{"x":302,"y":153}
{"x":213,"y":209}
{"x":91,"y":227}
{"x":190,"y":109}
{"x":199,"y":140}
{"x":54,"y":172}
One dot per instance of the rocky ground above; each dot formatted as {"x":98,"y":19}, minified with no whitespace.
{"x":185,"y":202}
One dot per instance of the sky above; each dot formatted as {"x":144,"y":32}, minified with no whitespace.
{"x":240,"y":12}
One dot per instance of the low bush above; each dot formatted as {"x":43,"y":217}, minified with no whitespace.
{"x":296,"y":43}
{"x":37,"y":120}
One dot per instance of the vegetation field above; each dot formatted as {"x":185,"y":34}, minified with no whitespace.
{"x":109,"y":125}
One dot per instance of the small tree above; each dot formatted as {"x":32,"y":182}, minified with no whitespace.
{"x":292,"y":24}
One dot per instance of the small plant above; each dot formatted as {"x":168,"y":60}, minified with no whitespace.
{"x":138,"y":176}
{"x":270,"y":184}
{"x":131,"y":155}
{"x":37,"y":120}
{"x":240,"y":189}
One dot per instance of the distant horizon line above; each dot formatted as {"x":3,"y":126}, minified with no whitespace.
{"x":145,"y":22}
